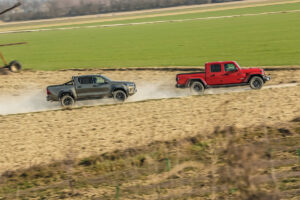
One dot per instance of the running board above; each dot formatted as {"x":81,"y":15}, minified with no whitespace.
{"x":227,"y":85}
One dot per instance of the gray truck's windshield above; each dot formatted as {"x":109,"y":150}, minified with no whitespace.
{"x":106,"y":78}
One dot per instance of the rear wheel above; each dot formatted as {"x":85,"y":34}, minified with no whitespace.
{"x":256,"y":83}
{"x":67,"y":101}
{"x":119,"y":96}
{"x":197,"y":88}
{"x":14,"y":66}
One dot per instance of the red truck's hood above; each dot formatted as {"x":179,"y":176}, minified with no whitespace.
{"x":252,"y":70}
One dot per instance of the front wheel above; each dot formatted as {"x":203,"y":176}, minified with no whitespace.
{"x":119,"y":96}
{"x":197,"y":88}
{"x":256,"y":83}
{"x":67,"y":101}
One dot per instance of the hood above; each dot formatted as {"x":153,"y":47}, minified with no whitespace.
{"x":253,"y":70}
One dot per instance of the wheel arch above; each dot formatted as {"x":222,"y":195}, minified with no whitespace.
{"x":252,"y":75}
{"x":62,"y":93}
{"x":189,"y":83}
{"x":119,"y":88}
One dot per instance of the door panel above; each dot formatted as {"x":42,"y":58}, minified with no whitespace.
{"x":84,"y":87}
{"x":232,"y":74}
{"x":100,"y":87}
{"x":233,"y":77}
{"x":214,"y":75}
{"x":84,"y":90}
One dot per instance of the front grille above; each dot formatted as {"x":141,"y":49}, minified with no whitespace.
{"x":131,"y":89}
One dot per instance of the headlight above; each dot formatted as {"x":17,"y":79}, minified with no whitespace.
{"x":131,"y":89}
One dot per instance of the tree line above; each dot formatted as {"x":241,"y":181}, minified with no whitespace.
{"x":45,"y":9}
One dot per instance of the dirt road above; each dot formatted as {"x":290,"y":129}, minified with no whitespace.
{"x":35,"y":138}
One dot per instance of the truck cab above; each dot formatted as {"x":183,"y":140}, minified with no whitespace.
{"x":90,"y":86}
{"x":222,"y":74}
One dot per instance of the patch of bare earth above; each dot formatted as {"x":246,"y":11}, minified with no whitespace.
{"x":258,"y":162}
{"x":36,"y":138}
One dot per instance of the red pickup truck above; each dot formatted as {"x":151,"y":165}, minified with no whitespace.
{"x":222,"y":74}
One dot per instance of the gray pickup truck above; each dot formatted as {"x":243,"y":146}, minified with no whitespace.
{"x":90,"y":87}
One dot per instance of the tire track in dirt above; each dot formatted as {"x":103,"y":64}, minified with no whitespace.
{"x":35,"y":101}
{"x":42,"y":137}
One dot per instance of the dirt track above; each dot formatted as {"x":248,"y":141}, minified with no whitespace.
{"x":28,"y":80}
{"x":34,"y":138}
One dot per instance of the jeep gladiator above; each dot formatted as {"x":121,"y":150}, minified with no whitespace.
{"x":90,"y":87}
{"x":222,"y":74}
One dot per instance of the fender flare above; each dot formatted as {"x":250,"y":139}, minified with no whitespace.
{"x":252,"y":75}
{"x":119,"y":88}
{"x":66,"y":92}
{"x":190,"y":81}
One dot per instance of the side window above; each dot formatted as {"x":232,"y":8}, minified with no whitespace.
{"x":98,"y":80}
{"x":230,"y":67}
{"x":85,"y":80}
{"x":215,"y":68}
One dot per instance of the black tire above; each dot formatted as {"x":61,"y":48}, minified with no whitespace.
{"x":256,"y":83}
{"x":67,"y":101}
{"x":14,"y":66}
{"x":119,"y":96}
{"x":197,"y":88}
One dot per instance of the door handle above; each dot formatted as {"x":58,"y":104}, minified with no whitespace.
{"x":78,"y":86}
{"x":213,"y":75}
{"x":94,"y":85}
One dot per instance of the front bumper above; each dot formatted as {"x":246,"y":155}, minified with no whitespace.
{"x":180,"y":86}
{"x":132,"y":90}
{"x":266,"y":78}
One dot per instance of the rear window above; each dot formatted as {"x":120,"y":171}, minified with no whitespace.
{"x":215,"y":68}
{"x":85,"y":80}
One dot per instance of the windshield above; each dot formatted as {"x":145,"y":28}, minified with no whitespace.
{"x":238,"y":65}
{"x":106,"y":78}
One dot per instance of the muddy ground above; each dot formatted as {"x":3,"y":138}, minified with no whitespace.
{"x":42,"y":137}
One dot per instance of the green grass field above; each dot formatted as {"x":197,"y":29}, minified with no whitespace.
{"x":265,"y":40}
{"x":229,"y":12}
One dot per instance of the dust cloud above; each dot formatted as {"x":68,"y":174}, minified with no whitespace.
{"x":35,"y":100}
